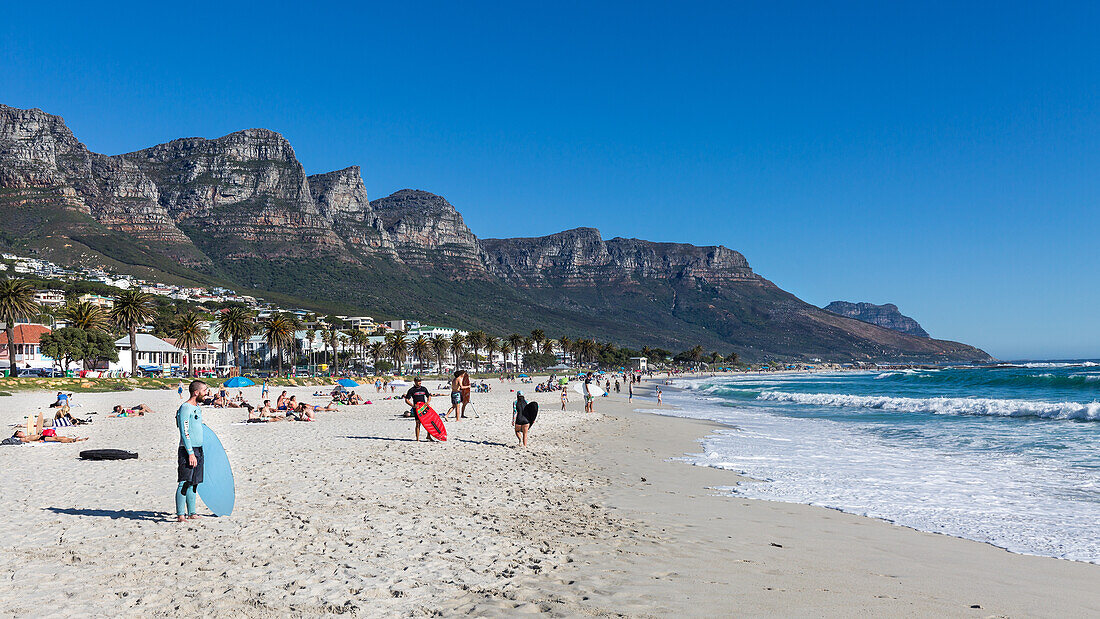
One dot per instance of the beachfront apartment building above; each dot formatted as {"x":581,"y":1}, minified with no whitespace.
{"x":50,"y":298}
{"x":153,"y":354}
{"x":97,"y":300}
{"x":203,"y":360}
{"x":430,"y":331}
{"x":28,"y":347}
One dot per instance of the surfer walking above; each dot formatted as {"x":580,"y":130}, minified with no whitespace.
{"x":418,"y":394}
{"x":588,"y":399}
{"x":523,"y":415}
{"x":190,"y":461}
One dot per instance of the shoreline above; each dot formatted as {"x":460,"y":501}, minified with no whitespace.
{"x":828,"y":562}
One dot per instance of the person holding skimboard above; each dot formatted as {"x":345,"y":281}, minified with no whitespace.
{"x":190,"y":464}
{"x":523,"y":415}
{"x":418,"y":394}
{"x":588,"y":398}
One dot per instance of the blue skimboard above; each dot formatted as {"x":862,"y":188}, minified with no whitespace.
{"x":216,"y":489}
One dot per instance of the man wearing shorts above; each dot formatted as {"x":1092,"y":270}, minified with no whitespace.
{"x":464,"y":390}
{"x":190,"y":464}
{"x":588,"y":399}
{"x":456,"y":395}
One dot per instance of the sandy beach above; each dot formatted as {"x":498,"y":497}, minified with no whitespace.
{"x":348,"y":515}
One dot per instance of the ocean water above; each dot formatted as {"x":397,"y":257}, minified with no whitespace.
{"x":1007,"y":455}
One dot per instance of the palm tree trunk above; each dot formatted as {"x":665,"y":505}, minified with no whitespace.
{"x":133,"y":351}
{"x":190,"y":363}
{"x":11,"y":350}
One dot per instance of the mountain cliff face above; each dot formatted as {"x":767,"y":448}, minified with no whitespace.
{"x":887,"y":316}
{"x":240,"y":210}
{"x":428,"y":233}
{"x":580,"y":257}
{"x":244,"y":195}
{"x":48,"y":177}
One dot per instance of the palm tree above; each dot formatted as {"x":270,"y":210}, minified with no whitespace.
{"x":647,"y":352}
{"x":548,"y":347}
{"x":310,"y":336}
{"x":565,"y":344}
{"x":476,"y":340}
{"x":528,"y":345}
{"x":505,"y":350}
{"x":731,"y":359}
{"x":190,"y":334}
{"x":85,"y":316}
{"x":439,"y":348}
{"x":332,"y":340}
{"x":538,"y":336}
{"x":234,"y":324}
{"x":279,"y":333}
{"x":421,"y":347}
{"x":376,"y":350}
{"x":715,"y":357}
{"x":696,"y":353}
{"x":133,"y":309}
{"x":398,"y":346}
{"x":492,"y":345}
{"x":458,"y":344}
{"x":16,"y":303}
{"x":516,"y":342}
{"x":353,"y":339}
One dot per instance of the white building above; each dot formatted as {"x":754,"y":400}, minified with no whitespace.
{"x":97,"y":300}
{"x":153,"y":354}
{"x":203,"y":361}
{"x":50,"y":298}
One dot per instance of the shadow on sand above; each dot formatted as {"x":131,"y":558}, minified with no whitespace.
{"x":113,"y":514}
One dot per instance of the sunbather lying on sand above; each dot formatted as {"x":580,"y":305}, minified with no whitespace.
{"x":137,"y":411}
{"x":44,"y":438}
{"x":64,"y":416}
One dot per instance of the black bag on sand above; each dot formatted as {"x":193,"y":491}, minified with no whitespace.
{"x":107,"y":454}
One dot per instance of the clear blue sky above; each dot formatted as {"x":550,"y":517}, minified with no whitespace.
{"x":940,"y":157}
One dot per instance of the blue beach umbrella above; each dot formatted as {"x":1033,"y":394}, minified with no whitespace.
{"x":237,"y":382}
{"x":347,"y":382}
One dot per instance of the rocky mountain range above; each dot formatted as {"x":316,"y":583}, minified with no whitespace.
{"x":240,"y":210}
{"x":886,"y":315}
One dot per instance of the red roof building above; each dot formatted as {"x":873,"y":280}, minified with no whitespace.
{"x":28,"y":340}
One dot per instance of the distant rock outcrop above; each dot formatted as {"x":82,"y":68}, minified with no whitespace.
{"x":886,"y":316}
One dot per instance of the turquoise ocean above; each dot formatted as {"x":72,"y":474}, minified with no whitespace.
{"x":1008,"y":455}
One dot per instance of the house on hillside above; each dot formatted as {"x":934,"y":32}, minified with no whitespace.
{"x":97,"y":300}
{"x":153,"y":354}
{"x":49,"y":298}
{"x":28,"y":347}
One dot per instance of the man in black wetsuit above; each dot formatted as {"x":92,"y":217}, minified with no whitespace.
{"x":415,"y":395}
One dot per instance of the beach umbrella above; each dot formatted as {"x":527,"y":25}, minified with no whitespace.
{"x":347,"y":382}
{"x":237,"y":382}
{"x":524,"y":376}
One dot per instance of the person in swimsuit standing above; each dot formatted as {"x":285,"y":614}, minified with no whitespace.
{"x":189,"y":460}
{"x":464,"y":389}
{"x":456,"y":395}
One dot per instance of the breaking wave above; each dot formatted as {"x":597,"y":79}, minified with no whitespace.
{"x":947,"y":406}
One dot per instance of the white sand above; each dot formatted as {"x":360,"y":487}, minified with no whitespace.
{"x":347,"y":514}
